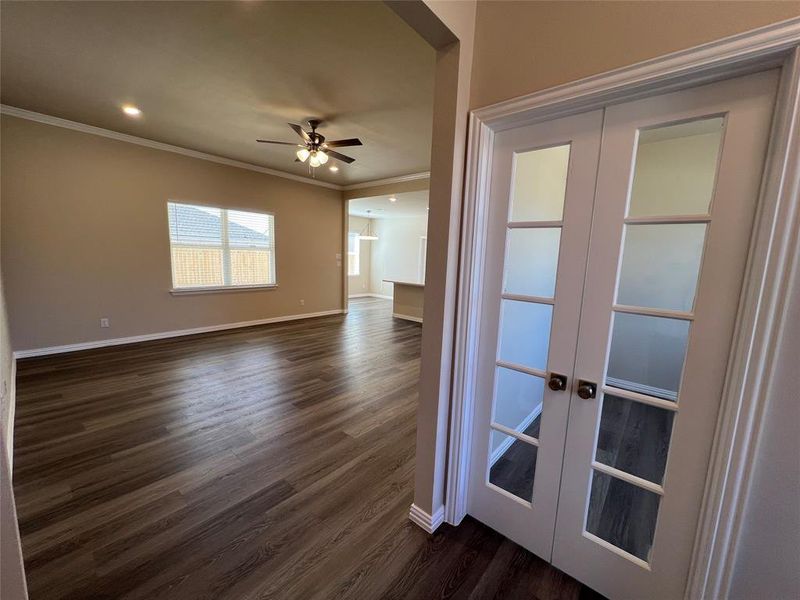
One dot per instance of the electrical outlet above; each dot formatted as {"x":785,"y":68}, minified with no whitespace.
{"x":302,"y":302}
{"x":104,"y":322}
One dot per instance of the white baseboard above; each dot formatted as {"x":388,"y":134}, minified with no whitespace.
{"x":642,"y":388}
{"x":506,"y":443}
{"x":407,"y":317}
{"x":429,"y":523}
{"x":166,"y":334}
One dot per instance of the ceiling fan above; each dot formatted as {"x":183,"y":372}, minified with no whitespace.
{"x":314,"y":148}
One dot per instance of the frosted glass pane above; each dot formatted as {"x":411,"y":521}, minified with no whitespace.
{"x":512,"y":465}
{"x":540,"y":182}
{"x":518,"y":400}
{"x":675,"y":169}
{"x":622,"y":514}
{"x":525,"y":333}
{"x":660,"y":265}
{"x":634,"y":437}
{"x":647,"y":354}
{"x":531,"y":261}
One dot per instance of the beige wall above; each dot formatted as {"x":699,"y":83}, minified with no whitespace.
{"x":84,"y":236}
{"x":523,"y":47}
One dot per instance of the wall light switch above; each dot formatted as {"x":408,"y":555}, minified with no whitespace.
{"x":104,"y":322}
{"x":338,"y":256}
{"x":302,"y":302}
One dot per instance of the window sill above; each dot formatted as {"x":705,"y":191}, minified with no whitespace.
{"x":219,"y":289}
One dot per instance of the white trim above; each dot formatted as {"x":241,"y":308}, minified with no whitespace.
{"x":627,"y":477}
{"x":30,"y":115}
{"x":407,"y":317}
{"x":501,"y":449}
{"x":641,"y":388}
{"x":166,"y":334}
{"x":387,"y":181}
{"x":221,"y":288}
{"x":669,"y":405}
{"x":429,"y":523}
{"x":774,"y":254}
{"x":763,"y":316}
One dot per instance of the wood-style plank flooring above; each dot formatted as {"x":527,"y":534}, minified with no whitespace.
{"x":268,"y":462}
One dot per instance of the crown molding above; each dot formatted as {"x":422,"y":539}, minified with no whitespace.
{"x":21,"y":113}
{"x":30,"y":115}
{"x":389,"y":180}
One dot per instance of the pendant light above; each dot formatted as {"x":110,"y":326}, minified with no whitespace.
{"x":369,"y":236}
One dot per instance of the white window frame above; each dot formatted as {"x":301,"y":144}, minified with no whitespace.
{"x":357,"y":253}
{"x":226,"y":265}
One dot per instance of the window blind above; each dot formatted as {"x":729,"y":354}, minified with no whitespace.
{"x":218,"y":247}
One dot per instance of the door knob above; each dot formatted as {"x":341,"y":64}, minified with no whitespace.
{"x":557,"y":382}
{"x":586,"y":389}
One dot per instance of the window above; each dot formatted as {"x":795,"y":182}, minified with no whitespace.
{"x":220,"y":248}
{"x":353,"y":254}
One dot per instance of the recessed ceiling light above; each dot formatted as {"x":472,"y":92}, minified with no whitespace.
{"x":334,"y":168}
{"x":131,"y":110}
{"x":392,"y":199}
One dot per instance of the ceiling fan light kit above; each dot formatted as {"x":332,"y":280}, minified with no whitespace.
{"x":314,"y":148}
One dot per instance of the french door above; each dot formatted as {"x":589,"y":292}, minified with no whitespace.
{"x":616,"y":245}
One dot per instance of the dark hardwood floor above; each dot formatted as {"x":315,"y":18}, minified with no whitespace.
{"x":268,"y":462}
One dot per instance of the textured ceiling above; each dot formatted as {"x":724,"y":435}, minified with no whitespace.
{"x":214,"y":76}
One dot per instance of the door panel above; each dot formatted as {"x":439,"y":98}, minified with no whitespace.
{"x":677,"y":186}
{"x":537,"y":239}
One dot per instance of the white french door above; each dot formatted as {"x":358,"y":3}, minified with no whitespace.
{"x":538,"y":232}
{"x":616,"y":247}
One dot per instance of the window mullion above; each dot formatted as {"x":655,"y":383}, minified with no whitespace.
{"x":226,"y":250}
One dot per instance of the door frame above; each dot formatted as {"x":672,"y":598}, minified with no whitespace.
{"x":774,"y":250}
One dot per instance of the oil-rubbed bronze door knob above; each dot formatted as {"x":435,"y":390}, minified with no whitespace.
{"x":586,"y":389}
{"x":557,"y":382}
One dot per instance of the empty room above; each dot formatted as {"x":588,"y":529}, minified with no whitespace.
{"x":400,"y":299}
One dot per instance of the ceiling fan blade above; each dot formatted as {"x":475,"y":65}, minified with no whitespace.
{"x":299,"y":131}
{"x":343,"y":143}
{"x":341,"y":157}
{"x":274,"y":142}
